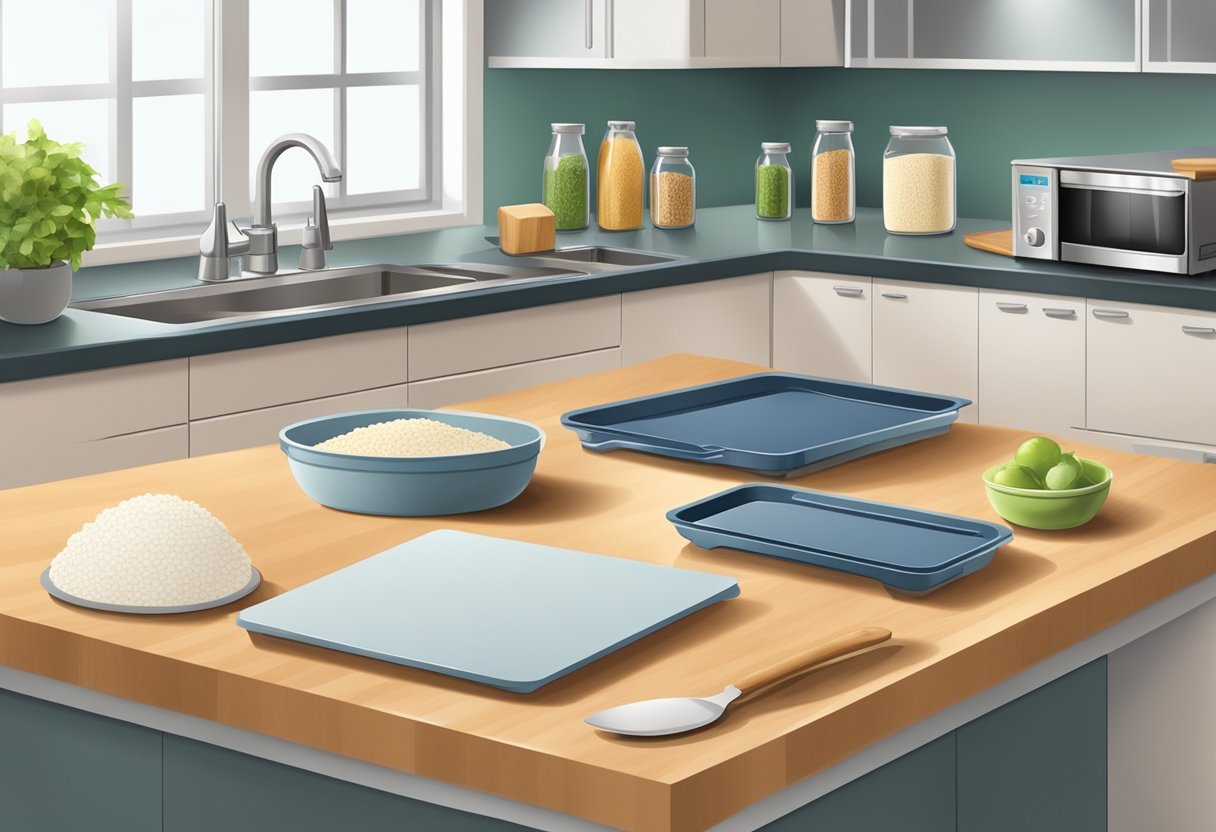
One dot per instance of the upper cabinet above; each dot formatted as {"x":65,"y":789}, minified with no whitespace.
{"x":658,"y":34}
{"x":1076,"y":35}
{"x":1179,"y":36}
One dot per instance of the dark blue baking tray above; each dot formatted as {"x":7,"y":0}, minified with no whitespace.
{"x":776,"y":424}
{"x":907,"y":549}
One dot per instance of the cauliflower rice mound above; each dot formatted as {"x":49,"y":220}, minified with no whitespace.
{"x":157,"y":550}
{"x":411,"y":437}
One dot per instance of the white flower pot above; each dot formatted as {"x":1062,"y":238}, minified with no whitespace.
{"x":35,"y":296}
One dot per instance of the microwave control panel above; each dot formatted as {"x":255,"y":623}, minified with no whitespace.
{"x":1034,"y":202}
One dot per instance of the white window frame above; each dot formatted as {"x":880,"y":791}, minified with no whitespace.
{"x":454,"y":139}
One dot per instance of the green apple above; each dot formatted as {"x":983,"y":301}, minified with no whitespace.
{"x":1017,"y":477}
{"x":1039,"y":454}
{"x":1064,"y":474}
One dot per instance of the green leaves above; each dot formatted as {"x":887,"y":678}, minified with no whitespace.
{"x":49,"y":201}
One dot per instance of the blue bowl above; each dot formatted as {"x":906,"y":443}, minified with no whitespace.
{"x":412,"y":486}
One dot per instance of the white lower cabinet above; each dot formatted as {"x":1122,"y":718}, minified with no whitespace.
{"x":83,"y":423}
{"x":728,"y":318}
{"x":261,"y":427}
{"x":822,"y":325}
{"x":440,"y":392}
{"x":1032,"y":361}
{"x":926,"y":339}
{"x":1150,"y":371}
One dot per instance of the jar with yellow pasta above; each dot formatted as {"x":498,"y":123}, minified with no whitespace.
{"x":621,"y":179}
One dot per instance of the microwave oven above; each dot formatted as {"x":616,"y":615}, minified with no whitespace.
{"x":1131,"y":211}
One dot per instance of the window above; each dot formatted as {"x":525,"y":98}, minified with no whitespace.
{"x":179,"y":98}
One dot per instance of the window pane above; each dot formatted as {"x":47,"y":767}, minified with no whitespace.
{"x":271,"y":114}
{"x":166,"y":39}
{"x":49,"y":44}
{"x":291,"y":37}
{"x":382,"y":35}
{"x":87,"y":122}
{"x":383,"y":139}
{"x":169,"y":175}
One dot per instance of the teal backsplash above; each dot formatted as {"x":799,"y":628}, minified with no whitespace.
{"x":724,"y":114}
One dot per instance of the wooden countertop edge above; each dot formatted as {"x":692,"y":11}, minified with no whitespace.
{"x":832,"y":738}
{"x":622,"y":801}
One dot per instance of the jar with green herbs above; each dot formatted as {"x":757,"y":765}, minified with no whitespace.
{"x":567,"y":178}
{"x":774,"y":182}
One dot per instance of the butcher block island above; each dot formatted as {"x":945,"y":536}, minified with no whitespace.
{"x":1043,"y":593}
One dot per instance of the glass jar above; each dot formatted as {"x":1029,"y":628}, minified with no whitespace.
{"x":673,"y":189}
{"x":621,"y":180}
{"x":774,"y":182}
{"x":566,"y":181}
{"x":833,"y":176}
{"x":918,"y":182}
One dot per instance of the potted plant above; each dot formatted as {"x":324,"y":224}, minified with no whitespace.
{"x":49,"y":201}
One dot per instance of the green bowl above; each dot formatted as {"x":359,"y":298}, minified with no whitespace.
{"x":1046,"y":509}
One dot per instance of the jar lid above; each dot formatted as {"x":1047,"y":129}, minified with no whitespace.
{"x":621,"y":125}
{"x":775,"y":147}
{"x":917,"y":132}
{"x":562,"y":127}
{"x":673,"y":151}
{"x":827,"y":126}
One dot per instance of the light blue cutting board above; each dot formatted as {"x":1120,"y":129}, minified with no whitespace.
{"x":505,"y":613}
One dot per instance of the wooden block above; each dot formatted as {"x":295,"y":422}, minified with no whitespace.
{"x":997,"y":242}
{"x":523,"y":229}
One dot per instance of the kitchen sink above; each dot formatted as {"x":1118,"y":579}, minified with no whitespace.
{"x":606,"y":256}
{"x":251,"y":298}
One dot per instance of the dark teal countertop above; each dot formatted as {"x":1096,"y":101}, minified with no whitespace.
{"x":724,"y":243}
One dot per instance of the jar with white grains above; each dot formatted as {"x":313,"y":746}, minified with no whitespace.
{"x":918,"y":182}
{"x":833,"y":193}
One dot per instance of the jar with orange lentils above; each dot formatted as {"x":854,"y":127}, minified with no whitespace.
{"x":621,"y":179}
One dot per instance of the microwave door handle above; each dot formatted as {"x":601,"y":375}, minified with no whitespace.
{"x":1122,"y":190}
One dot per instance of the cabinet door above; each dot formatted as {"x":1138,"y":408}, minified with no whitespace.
{"x":501,"y":339}
{"x":821,"y":325}
{"x":261,"y":427}
{"x":926,"y":339}
{"x":721,"y":318}
{"x":41,"y":463}
{"x":1149,"y":371}
{"x":63,"y":769}
{"x":812,"y":32}
{"x":1180,"y":36}
{"x":667,"y":30}
{"x":743,"y":29}
{"x":1038,"y":763}
{"x":440,"y":392}
{"x":912,"y":794}
{"x":1032,"y":361}
{"x":546,"y":28}
{"x":233,"y":382}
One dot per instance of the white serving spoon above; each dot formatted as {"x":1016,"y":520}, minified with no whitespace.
{"x":657,"y":717}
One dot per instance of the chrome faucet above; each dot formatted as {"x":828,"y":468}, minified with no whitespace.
{"x":259,"y":244}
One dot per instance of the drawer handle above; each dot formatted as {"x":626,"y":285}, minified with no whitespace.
{"x":848,"y":291}
{"x":1005,"y":306}
{"x":1198,"y":330}
{"x":1111,"y":313}
{"x":895,"y":295}
{"x":1059,"y":312}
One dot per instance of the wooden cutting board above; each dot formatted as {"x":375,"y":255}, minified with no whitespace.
{"x":997,"y":242}
{"x":1195,"y":168}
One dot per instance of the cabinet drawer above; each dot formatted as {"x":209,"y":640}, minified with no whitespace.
{"x":1032,"y":361}
{"x":821,"y":325}
{"x":233,"y":382}
{"x":56,"y":411}
{"x":500,"y":339}
{"x":261,"y":427}
{"x":1150,"y":371}
{"x":728,"y":318}
{"x":33,"y":464}
{"x":440,"y":392}
{"x":926,"y":338}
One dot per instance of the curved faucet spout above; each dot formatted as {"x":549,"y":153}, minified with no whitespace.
{"x":330,"y":172}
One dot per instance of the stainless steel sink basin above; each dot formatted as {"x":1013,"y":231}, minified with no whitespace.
{"x":492,"y":271}
{"x":286,"y":294}
{"x":604,"y":257}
